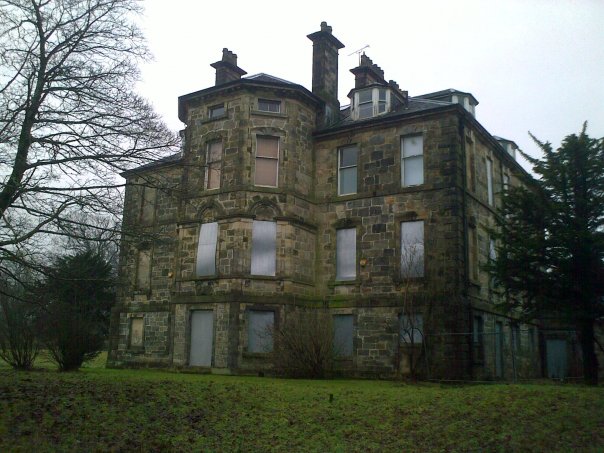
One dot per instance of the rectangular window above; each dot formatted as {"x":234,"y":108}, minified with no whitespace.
{"x":365,"y":104}
{"x":148,"y":196}
{"x":412,"y":249}
{"x":346,"y":254}
{"x":412,"y":160}
{"x":382,"y":101}
{"x":516,"y":341}
{"x":506,"y":182}
{"x":264,"y":248}
{"x":473,"y":253}
{"x":216,"y":111}
{"x":267,"y":161}
{"x":478,"y":338}
{"x":266,"y":105}
{"x":213,"y":165}
{"x":492,"y":250}
{"x":260,"y":331}
{"x":532,"y":340}
{"x":206,"y":249}
{"x":490,"y":181}
{"x":137,"y":332}
{"x":343,"y":335}
{"x":143,"y":269}
{"x":347,"y":170}
{"x":411,"y":329}
{"x":478,"y":330}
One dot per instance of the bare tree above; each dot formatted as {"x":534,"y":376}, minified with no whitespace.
{"x":69,"y":118}
{"x":304,"y":346}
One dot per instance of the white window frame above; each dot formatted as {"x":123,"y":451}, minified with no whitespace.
{"x":268,"y":158}
{"x":205,"y":262}
{"x":269,"y":102}
{"x":261,"y":264}
{"x":346,"y":254}
{"x":341,"y":167}
{"x":407,"y":158}
{"x":211,"y":163}
{"x":375,"y":102}
{"x":413,"y":253}
{"x":490,"y":197}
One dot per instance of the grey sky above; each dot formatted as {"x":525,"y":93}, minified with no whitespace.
{"x":533,"y":65}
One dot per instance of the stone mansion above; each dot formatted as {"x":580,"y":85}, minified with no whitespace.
{"x":282,"y":199}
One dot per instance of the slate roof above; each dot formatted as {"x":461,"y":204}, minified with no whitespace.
{"x":263,"y":77}
{"x":156,"y":163}
{"x":416,"y":104}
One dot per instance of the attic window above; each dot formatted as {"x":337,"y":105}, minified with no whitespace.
{"x":371,"y":102}
{"x":216,"y":111}
{"x":267,"y":105}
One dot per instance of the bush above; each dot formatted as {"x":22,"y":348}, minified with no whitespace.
{"x":304,"y":345}
{"x":18,"y":344}
{"x":77,"y":297}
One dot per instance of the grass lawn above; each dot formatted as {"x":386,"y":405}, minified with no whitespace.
{"x":121,"y":410}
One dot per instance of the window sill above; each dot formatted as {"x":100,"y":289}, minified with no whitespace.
{"x":269,"y":114}
{"x":264,"y":277}
{"x":138,"y":350}
{"x":216,"y":118}
{"x":257,"y":355}
{"x":344,"y":283}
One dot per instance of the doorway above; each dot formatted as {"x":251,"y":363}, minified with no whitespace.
{"x":202,"y":338}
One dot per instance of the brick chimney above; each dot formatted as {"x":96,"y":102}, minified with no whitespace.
{"x":367,"y":73}
{"x":325,"y":71}
{"x":227,"y":69}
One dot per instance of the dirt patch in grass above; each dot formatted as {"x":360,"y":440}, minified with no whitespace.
{"x":121,"y":410}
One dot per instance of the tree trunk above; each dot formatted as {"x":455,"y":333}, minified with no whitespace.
{"x":590,"y":361}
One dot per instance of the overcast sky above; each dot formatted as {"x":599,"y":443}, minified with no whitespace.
{"x":533,"y":65}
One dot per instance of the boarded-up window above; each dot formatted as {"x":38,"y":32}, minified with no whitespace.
{"x":411,"y":328}
{"x":143,"y":269}
{"x":346,"y":254}
{"x":260,"y":331}
{"x":490,"y":181}
{"x":412,"y":249}
{"x":473,"y":253}
{"x":347,"y":170}
{"x":478,"y":338}
{"x":516,"y":340}
{"x":264,"y":248}
{"x":267,"y":161}
{"x":213,"y":165}
{"x":343,"y":335}
{"x":412,"y":160}
{"x":148,"y":195}
{"x":206,"y":249}
{"x":137,"y":332}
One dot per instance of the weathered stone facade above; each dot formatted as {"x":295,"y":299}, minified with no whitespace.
{"x":265,"y":129}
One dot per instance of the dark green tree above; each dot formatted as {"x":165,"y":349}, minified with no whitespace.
{"x":550,"y":236}
{"x":76,"y":296}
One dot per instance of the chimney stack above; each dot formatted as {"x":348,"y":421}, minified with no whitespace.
{"x":227,"y":69}
{"x":367,"y":73}
{"x":325,"y":71}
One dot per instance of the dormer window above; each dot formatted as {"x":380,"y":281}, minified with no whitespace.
{"x":371,"y":102}
{"x":268,"y":105}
